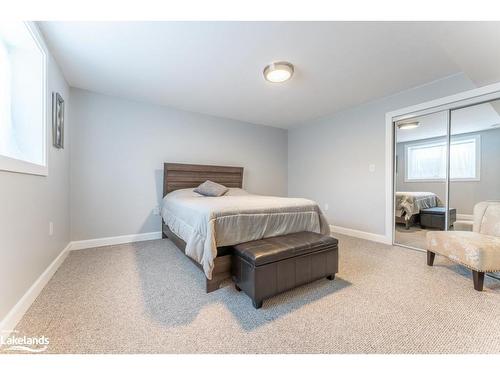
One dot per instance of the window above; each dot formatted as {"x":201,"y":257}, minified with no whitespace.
{"x":23,"y":95}
{"x":426,"y":161}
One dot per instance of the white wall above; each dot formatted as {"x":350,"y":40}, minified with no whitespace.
{"x":119,"y":147}
{"x":27,"y":204}
{"x":329,"y":158}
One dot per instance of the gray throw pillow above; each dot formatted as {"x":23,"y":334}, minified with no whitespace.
{"x":211,"y":189}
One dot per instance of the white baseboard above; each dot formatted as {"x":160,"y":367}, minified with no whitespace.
{"x":107,"y":241}
{"x":8,"y":324}
{"x":360,"y":234}
{"x":465,"y":217}
{"x":16,"y":313}
{"x":14,"y":316}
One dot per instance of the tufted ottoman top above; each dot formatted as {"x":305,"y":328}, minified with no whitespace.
{"x":274,"y":249}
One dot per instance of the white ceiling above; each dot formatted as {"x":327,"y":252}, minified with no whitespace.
{"x":216,"y":67}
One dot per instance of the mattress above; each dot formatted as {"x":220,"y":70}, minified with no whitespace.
{"x":206,"y":223}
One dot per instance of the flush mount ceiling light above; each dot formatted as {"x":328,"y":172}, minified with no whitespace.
{"x":278,"y":72}
{"x":408,"y":125}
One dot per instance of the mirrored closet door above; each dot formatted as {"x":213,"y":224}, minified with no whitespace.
{"x":446,"y":170}
{"x":474,"y":161}
{"x":420,"y":177}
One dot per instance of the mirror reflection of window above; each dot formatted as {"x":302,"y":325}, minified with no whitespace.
{"x":427,"y":160}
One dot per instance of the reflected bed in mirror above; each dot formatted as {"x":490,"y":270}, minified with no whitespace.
{"x":415,"y":214}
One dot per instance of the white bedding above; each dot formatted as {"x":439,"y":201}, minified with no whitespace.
{"x":205,"y":223}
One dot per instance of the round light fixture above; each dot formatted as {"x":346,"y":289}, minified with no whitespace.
{"x":408,"y":125}
{"x":278,"y":72}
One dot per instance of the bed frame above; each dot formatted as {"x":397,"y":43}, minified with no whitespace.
{"x":183,"y":176}
{"x":408,"y":223}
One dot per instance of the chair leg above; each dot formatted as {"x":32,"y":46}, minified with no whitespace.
{"x":430,"y":258}
{"x":257,"y":303}
{"x":478,"y":278}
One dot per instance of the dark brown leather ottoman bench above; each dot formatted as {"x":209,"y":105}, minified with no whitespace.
{"x":267,"y":267}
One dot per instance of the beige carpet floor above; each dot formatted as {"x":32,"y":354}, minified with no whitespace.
{"x":149,"y":298}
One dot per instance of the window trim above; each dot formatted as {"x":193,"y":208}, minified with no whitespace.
{"x":9,"y":164}
{"x":476,"y":137}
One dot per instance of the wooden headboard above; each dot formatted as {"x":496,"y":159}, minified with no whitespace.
{"x":183,"y":176}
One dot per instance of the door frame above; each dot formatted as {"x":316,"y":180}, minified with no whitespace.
{"x":447,"y":103}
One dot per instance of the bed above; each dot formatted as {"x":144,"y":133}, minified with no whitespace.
{"x":409,"y":203}
{"x":206,"y":228}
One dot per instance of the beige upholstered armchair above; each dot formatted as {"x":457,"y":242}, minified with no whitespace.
{"x":478,"y":250}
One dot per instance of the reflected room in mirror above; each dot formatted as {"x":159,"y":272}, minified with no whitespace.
{"x":420,"y":178}
{"x":433,"y":192}
{"x":474,"y":160}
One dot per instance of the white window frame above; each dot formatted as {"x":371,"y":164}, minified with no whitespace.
{"x":21,"y":166}
{"x":476,"y":137}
